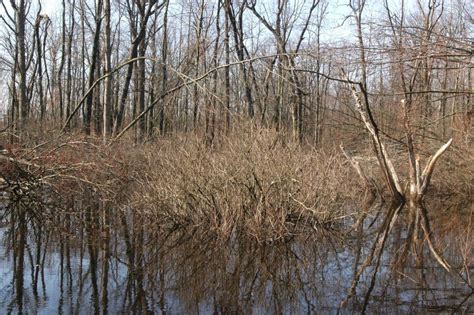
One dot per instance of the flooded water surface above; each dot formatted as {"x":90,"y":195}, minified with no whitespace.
{"x":78,"y":263}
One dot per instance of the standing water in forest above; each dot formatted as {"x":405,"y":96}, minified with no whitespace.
{"x":76,"y":265}
{"x":187,"y":230}
{"x":236,"y":156}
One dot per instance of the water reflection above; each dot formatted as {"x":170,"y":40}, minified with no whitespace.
{"x":100,"y":261}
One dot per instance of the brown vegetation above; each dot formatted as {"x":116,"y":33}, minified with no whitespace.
{"x":254,"y":180}
{"x":252,"y":186}
{"x":233,"y":123}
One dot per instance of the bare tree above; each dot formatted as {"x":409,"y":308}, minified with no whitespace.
{"x":147,"y":10}
{"x":21,"y":10}
{"x":281,"y":30}
{"x":92,"y":69}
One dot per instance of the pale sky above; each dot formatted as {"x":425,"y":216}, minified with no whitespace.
{"x":332,"y":28}
{"x":336,"y":13}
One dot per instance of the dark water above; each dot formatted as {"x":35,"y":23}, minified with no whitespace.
{"x":77,"y":263}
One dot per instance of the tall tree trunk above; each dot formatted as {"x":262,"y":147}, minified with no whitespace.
{"x":238,"y":31}
{"x":227,"y":69}
{"x":83,"y":57}
{"x":107,"y":102}
{"x":141,"y":91}
{"x":23,"y":104}
{"x":69,"y":59}
{"x":133,"y":54}
{"x":92,"y":69}
{"x":39,"y":56}
{"x":164,"y":69}
{"x":212,"y":106}
{"x":62,"y":62}
{"x":199,"y":53}
{"x":97,"y":107}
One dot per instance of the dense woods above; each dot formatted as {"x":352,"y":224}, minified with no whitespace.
{"x":157,"y":68}
{"x":127,"y":125}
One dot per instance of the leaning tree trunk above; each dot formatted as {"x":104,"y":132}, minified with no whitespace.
{"x":419,"y":181}
{"x":118,"y":120}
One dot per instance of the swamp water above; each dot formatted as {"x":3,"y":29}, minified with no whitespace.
{"x":77,"y":264}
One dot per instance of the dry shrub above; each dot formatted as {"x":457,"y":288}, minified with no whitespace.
{"x":252,"y":181}
{"x":65,"y":169}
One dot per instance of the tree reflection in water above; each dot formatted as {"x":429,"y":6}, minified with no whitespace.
{"x":98,"y":261}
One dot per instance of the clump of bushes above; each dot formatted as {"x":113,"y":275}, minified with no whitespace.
{"x":254,"y":181}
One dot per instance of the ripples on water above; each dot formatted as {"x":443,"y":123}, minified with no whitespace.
{"x":77,"y":264}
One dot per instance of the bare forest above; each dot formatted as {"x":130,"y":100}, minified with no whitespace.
{"x":281,"y":139}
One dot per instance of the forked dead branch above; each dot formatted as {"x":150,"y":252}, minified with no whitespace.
{"x":418,"y":186}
